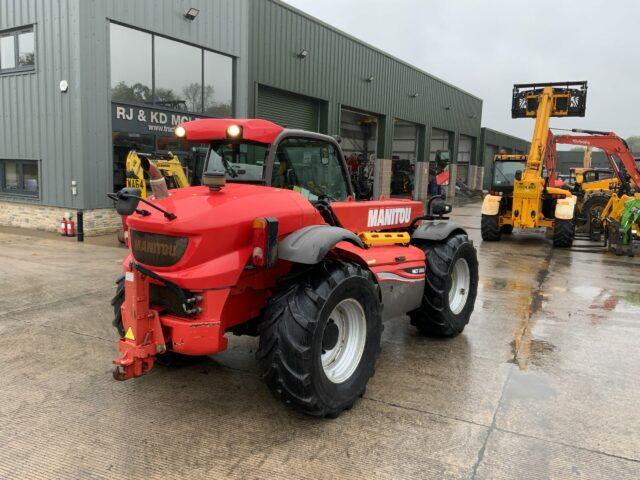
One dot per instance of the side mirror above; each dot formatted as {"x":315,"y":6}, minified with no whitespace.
{"x":440,"y":208}
{"x":127,"y":200}
{"x":518,"y":175}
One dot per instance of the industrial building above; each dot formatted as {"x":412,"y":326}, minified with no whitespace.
{"x":82,"y":82}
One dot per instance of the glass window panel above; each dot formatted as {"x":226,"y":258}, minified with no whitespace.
{"x":311,"y":167}
{"x":178,"y":69}
{"x":130,"y":64}
{"x":7,"y":52}
{"x":26,"y":49}
{"x":218,"y":85}
{"x":11,"y":176}
{"x":30,"y":177}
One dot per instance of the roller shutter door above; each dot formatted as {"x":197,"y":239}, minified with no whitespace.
{"x":465,"y":147}
{"x":287,"y":109}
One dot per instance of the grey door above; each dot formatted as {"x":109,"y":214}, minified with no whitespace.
{"x":287,"y":109}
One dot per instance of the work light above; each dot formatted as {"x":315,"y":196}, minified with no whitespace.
{"x":234,"y":131}
{"x":180,"y":131}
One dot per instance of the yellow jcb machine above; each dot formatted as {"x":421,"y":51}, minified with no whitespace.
{"x":168,"y":165}
{"x":529,"y":202}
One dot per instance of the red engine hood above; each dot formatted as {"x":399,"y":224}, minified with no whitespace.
{"x":219,"y":228}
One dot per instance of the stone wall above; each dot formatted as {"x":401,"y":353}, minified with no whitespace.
{"x":382,"y":178}
{"x":40,"y":217}
{"x":421,"y":189}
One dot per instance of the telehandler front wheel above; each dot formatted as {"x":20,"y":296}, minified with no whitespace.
{"x":563,"y":233}
{"x":320,"y":338}
{"x":490,"y":228}
{"x":450,"y":288}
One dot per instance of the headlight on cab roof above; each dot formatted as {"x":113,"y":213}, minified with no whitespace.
{"x":234,"y":131}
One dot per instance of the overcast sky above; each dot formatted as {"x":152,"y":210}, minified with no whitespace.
{"x":484,"y":47}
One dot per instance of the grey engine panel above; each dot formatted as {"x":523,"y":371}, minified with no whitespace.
{"x":399,"y":296}
{"x":309,"y":245}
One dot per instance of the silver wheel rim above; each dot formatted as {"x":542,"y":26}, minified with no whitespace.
{"x":341,"y":361}
{"x":460,"y":281}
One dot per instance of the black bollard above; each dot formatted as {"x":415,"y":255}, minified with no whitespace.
{"x":80,"y":218}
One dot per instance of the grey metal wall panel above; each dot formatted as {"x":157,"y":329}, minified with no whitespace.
{"x":338,"y":66}
{"x":37,"y":121}
{"x":221,"y":25}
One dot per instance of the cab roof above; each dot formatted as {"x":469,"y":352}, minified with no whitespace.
{"x":211,"y":129}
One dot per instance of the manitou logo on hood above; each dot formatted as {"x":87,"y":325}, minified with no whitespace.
{"x":382,"y":217}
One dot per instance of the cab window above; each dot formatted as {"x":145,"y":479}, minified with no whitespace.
{"x":242,"y":162}
{"x":311,"y":167}
{"x":504,"y":172}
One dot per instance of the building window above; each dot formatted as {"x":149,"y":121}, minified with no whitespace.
{"x":17,"y":50}
{"x":19,"y":177}
{"x":148,"y":68}
{"x":178,"y":70}
{"x":131,"y":65}
{"x":218,"y":85}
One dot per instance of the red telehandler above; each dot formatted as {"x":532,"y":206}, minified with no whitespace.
{"x":273,"y":244}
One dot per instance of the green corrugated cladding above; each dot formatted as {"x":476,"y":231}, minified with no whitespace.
{"x":336,"y":72}
{"x":503,"y":140}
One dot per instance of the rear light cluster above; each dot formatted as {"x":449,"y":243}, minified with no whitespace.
{"x":264,"y":242}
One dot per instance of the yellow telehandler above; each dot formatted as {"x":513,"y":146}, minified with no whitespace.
{"x":528,"y":201}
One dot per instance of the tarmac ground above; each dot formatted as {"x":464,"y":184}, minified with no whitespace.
{"x":543,"y":383}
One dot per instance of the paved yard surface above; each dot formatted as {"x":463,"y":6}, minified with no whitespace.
{"x":543,"y":383}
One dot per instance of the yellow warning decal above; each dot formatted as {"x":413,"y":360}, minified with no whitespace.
{"x":129,"y":335}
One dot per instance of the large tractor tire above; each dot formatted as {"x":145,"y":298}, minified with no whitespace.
{"x":167,"y":359}
{"x":450,"y":289}
{"x":563,"y":233}
{"x":592,"y":210}
{"x":490,"y":228}
{"x":506,"y":229}
{"x":320,"y":338}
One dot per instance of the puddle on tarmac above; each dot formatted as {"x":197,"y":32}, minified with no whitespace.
{"x":531,"y":352}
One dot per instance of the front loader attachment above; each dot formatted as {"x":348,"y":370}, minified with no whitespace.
{"x":569,"y":99}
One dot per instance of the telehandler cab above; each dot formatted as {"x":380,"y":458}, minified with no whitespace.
{"x":274,"y":245}
{"x":533,"y":201}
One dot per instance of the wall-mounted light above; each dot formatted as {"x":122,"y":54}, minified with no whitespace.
{"x":447,"y":107}
{"x":304,"y":53}
{"x":64,"y":86}
{"x":414,"y":95}
{"x":370,"y":79}
{"x":191,"y":14}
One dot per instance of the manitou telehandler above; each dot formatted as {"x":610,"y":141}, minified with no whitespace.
{"x":273,"y":244}
{"x":531,"y":201}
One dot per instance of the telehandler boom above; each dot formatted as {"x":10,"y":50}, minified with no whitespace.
{"x":533,"y":203}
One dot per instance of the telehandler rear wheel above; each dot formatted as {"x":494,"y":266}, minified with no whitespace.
{"x":450,"y":289}
{"x":490,"y":228}
{"x":563,"y":233}
{"x":168,"y":359}
{"x":320,"y":338}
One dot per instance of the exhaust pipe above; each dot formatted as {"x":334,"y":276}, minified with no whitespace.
{"x":157,"y":181}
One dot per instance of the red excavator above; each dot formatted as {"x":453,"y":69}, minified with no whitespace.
{"x":594,"y":197}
